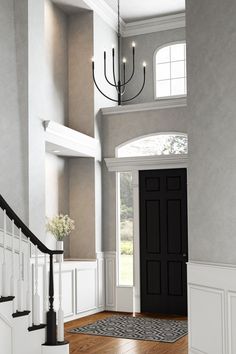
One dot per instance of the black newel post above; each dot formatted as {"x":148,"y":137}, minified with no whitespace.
{"x":51,"y":314}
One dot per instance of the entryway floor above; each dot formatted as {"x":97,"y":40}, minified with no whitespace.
{"x":87,"y":344}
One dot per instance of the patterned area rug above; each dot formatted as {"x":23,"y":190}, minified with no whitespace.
{"x":141,"y":328}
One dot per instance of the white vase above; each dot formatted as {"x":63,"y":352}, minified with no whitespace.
{"x":60,"y":247}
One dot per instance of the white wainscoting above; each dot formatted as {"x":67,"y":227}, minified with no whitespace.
{"x":212,"y":308}
{"x":125,"y":299}
{"x":101,"y":280}
{"x":118,"y":298}
{"x":86,"y":288}
{"x":110,"y":271}
{"x":83,"y":287}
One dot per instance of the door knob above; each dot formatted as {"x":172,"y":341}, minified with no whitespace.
{"x":184,"y":254}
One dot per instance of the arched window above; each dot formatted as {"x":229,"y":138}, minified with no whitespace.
{"x":158,"y":144}
{"x":170,"y":71}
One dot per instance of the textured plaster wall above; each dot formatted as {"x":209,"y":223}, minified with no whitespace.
{"x":101,"y":31}
{"x":36,"y":102}
{"x":56,"y":109}
{"x":123,"y":127}
{"x":82,"y":208}
{"x":146,"y":46}
{"x":211,"y":52}
{"x":81,"y":93}
{"x":56,"y":63}
{"x":57,"y":191}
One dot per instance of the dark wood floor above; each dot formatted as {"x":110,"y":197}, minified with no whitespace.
{"x":87,"y":344}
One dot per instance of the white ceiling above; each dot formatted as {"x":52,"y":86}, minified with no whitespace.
{"x":134,"y":10}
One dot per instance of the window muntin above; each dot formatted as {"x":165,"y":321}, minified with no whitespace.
{"x":170,"y":62}
{"x":159,"y":144}
{"x":125,"y":229}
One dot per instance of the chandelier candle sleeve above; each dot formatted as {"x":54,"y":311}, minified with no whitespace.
{"x":119,"y":81}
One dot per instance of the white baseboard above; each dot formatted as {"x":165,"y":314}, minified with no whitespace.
{"x":212,"y":308}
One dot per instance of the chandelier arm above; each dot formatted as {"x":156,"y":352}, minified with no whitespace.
{"x":123,"y":92}
{"x":95,"y":83}
{"x":144,"y":81}
{"x":105,"y":72}
{"x":133,"y":71}
{"x":113,"y":69}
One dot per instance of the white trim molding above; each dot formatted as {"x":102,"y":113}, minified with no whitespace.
{"x":63,"y":141}
{"x":102,"y":9}
{"x":125,"y":164}
{"x":211,"y":308}
{"x":150,"y":106}
{"x":158,"y":24}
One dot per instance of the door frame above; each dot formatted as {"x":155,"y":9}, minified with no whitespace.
{"x":134,"y":165}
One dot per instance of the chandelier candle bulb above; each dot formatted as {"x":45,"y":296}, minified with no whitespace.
{"x":133,"y":44}
{"x":124,"y":60}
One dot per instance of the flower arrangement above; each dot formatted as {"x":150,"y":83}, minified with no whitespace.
{"x":60,"y":226}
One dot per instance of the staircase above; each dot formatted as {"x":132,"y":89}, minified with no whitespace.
{"x":28,"y":321}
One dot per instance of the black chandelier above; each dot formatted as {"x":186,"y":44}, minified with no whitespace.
{"x":120,"y":82}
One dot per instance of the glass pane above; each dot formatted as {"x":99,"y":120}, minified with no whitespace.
{"x":160,"y":144}
{"x":163,"y":88}
{"x":178,"y":69}
{"x":163,"y":55}
{"x":178,"y":87}
{"x":126,"y":229}
{"x":163,"y":71}
{"x":177,"y":51}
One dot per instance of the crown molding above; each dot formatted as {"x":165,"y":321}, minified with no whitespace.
{"x":102,"y":9}
{"x":158,"y":24}
{"x":124,"y":164}
{"x":150,"y":106}
{"x":105,"y":12}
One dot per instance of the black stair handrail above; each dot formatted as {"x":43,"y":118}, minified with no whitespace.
{"x":51,"y":314}
{"x":26,"y":231}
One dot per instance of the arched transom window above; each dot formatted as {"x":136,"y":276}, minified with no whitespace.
{"x":159,"y":144}
{"x":170,"y":69}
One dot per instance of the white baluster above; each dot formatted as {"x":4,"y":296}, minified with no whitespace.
{"x":13,"y":289}
{"x":29,"y":285}
{"x":45,"y":289}
{"x":4,"y":265}
{"x":20,"y":282}
{"x":36,"y":315}
{"x":60,"y":329}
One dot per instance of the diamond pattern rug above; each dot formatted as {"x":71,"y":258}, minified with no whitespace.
{"x":141,"y":328}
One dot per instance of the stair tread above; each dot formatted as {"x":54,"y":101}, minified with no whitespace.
{"x":35,"y":328}
{"x":6,"y":298}
{"x":20,"y":314}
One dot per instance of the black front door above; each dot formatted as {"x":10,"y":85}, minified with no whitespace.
{"x":163,"y":241}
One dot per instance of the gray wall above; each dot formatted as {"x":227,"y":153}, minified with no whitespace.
{"x":82,"y":208}
{"x":146,"y":46}
{"x":57,"y":192}
{"x":81,"y":93}
{"x":101,"y":30}
{"x":211,"y":50}
{"x":13,"y":105}
{"x":123,"y":127}
{"x":56,"y":109}
{"x":56,"y":64}
{"x":36,"y":102}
